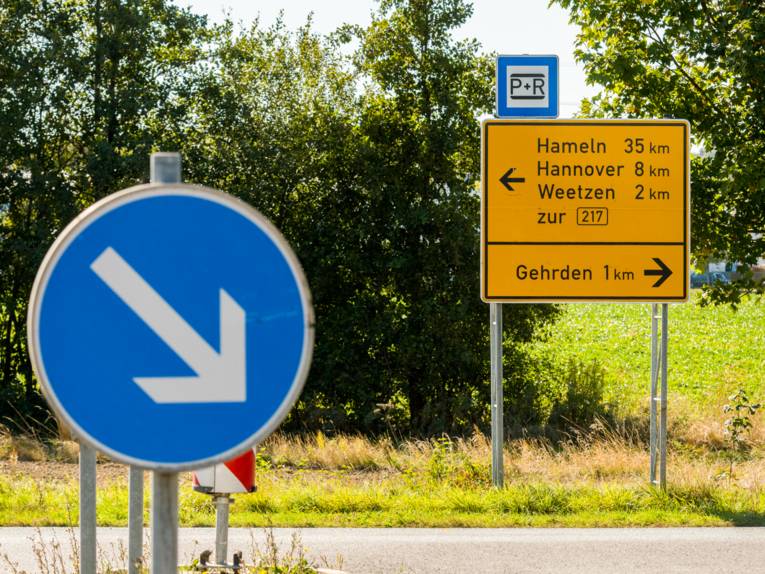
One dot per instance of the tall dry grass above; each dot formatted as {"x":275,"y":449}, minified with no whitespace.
{"x":699,"y":453}
{"x":606,"y":456}
{"x":30,"y":448}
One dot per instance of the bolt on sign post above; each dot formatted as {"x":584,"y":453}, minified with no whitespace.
{"x":164,"y":306}
{"x":587,"y":210}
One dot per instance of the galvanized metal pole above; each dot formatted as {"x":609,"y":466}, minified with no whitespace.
{"x":135,"y":519}
{"x":164,"y":167}
{"x":497,"y":400}
{"x":87,"y":509}
{"x":222,"y":502}
{"x":164,"y":523}
{"x":663,"y":429}
{"x":654,"y":397}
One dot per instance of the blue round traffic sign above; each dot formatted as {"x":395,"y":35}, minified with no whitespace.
{"x":171,"y":326}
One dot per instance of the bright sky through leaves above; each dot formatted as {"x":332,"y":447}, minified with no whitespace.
{"x":508,"y":27}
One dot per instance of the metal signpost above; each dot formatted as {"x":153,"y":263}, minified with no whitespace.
{"x":580,"y":210}
{"x":135,"y":519}
{"x":220,"y":482}
{"x":497,"y":396}
{"x":164,"y":167}
{"x":590,"y":210}
{"x":87,"y":509}
{"x":164,"y":308}
{"x":658,"y":416}
{"x":527,"y":86}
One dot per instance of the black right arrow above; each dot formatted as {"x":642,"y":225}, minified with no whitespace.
{"x":507,"y":180}
{"x":664,"y":272}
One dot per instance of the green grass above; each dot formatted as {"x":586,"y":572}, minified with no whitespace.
{"x":307,"y":481}
{"x":310,"y":499}
{"x":712,"y":350}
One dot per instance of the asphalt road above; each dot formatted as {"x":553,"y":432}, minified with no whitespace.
{"x":459,"y":550}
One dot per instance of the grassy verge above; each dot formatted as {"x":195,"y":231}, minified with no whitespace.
{"x":396,"y":503}
{"x":596,"y":479}
{"x":305,"y":502}
{"x":351,"y":481}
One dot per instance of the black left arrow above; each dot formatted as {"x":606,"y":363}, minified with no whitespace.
{"x":507,"y":179}
{"x":664,"y":272}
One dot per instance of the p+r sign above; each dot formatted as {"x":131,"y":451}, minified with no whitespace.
{"x":527,"y":86}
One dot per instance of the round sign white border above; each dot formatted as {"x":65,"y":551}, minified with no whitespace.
{"x":124,"y":197}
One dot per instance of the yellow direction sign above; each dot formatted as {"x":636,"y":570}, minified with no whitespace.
{"x":578,"y":210}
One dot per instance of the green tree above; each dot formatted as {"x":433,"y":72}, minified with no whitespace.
{"x":34,"y":62}
{"x":368,"y":162}
{"x":420,"y":134}
{"x":371,"y":173}
{"x":272,"y":120}
{"x":79,"y":80}
{"x":702,"y":60}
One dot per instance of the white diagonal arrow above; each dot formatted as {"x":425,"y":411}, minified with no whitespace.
{"x":221,"y":377}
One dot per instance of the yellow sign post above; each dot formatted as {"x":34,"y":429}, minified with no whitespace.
{"x":585,"y":210}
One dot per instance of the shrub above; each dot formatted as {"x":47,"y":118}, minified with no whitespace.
{"x":582,"y":402}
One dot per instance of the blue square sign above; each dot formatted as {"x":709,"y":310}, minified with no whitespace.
{"x":527,"y":86}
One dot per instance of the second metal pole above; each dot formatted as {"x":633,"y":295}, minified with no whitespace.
{"x":222,"y":503}
{"x":164,"y":523}
{"x":663,"y":427}
{"x":654,"y":398}
{"x":87,"y":509}
{"x":135,"y":519}
{"x":165,"y":167}
{"x":497,"y":400}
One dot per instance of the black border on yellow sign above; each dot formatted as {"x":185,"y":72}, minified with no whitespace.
{"x":564,"y":298}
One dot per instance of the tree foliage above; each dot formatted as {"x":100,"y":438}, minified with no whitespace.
{"x":361,"y":146}
{"x":703,"y":60}
{"x":421,"y":145}
{"x":78,"y":80}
